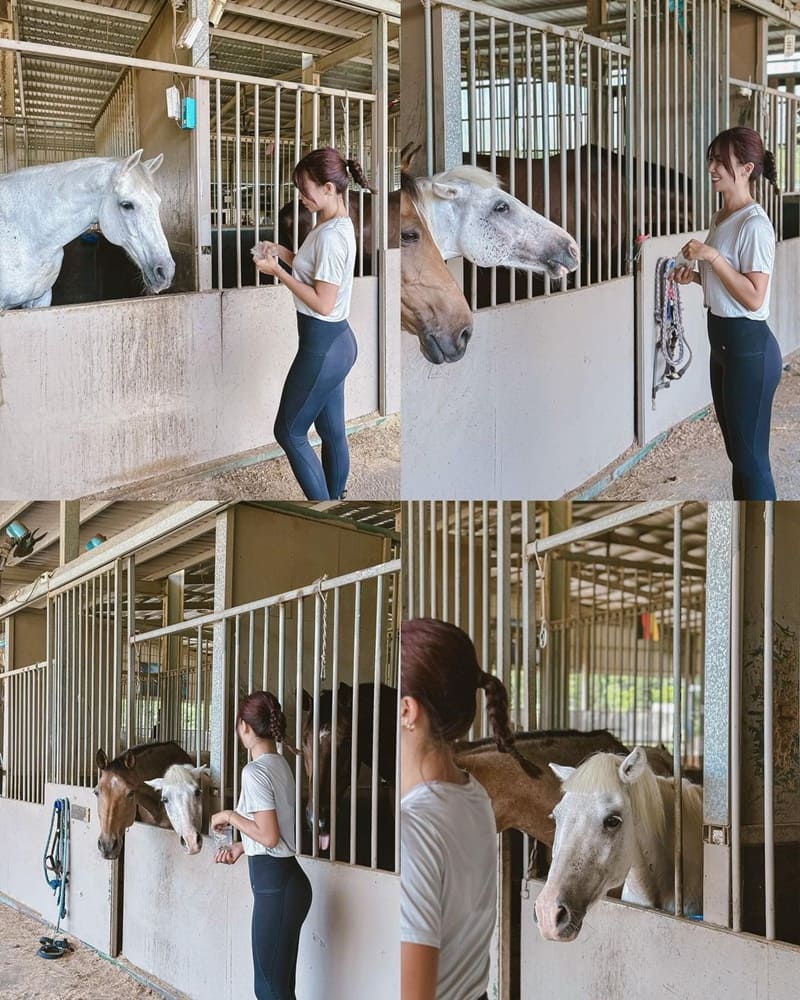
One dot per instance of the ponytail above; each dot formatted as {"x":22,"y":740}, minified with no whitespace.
{"x":769,"y":169}
{"x":497,"y":711}
{"x":358,"y":175}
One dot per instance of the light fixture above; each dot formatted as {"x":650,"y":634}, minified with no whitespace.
{"x":215,"y":12}
{"x":94,"y":542}
{"x":22,"y":539}
{"x":189,"y":34}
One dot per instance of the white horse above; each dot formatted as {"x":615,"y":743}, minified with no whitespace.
{"x":469,"y":215}
{"x":181,"y":790}
{"x":614,"y":826}
{"x":43,"y":208}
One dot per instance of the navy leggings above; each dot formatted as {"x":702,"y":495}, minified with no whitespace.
{"x":281,"y":901}
{"x":745,"y":371}
{"x":314,"y":394}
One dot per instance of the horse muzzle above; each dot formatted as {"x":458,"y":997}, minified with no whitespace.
{"x":110,"y":849}
{"x":192,"y":844}
{"x":159,"y":276}
{"x":564,"y":260}
{"x":441,"y":348}
{"x":556,"y":919}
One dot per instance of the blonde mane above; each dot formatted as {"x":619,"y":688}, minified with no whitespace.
{"x":472,"y":175}
{"x":600,"y":773}
{"x":178,"y":774}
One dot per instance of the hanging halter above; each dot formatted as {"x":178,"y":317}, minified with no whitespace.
{"x":55,"y":863}
{"x":671,"y":343}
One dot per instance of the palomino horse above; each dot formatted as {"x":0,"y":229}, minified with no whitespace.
{"x":43,"y":208}
{"x":615,"y":826}
{"x":182,"y":792}
{"x":524,"y":791}
{"x":123,"y":796}
{"x":342,"y":741}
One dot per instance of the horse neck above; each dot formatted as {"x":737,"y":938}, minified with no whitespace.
{"x":73,"y":198}
{"x":651,"y":879}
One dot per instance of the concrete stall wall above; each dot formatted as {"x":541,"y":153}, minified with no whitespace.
{"x":542,"y":399}
{"x":187,"y":921}
{"x":100,"y":395}
{"x":23,"y":836}
{"x":627,"y":951}
{"x":693,"y":392}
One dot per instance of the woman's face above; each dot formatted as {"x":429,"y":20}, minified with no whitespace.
{"x":722,"y":180}
{"x":316,"y":196}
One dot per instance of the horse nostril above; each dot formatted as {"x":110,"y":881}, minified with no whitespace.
{"x":183,"y":842}
{"x":159,"y":272}
{"x":464,"y":337}
{"x":562,"y":916}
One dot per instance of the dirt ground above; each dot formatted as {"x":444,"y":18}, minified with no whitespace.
{"x":374,"y":473}
{"x":79,"y":975}
{"x":691,"y":464}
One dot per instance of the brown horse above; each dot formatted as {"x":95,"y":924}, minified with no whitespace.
{"x":525,"y":792}
{"x":123,"y":796}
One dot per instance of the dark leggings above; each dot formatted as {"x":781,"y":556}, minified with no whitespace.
{"x":314,"y":394}
{"x":745,"y":371}
{"x":281,"y":901}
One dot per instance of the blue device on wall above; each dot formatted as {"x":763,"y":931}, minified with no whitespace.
{"x":188,"y":113}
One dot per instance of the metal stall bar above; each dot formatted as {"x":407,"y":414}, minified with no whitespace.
{"x":677,"y":551}
{"x":769,"y":718}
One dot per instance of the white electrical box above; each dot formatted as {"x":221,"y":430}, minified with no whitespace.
{"x":173,"y":103}
{"x":189,"y":34}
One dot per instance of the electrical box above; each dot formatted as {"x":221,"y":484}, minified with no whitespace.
{"x":189,"y":34}
{"x":188,"y":113}
{"x":173,"y":103}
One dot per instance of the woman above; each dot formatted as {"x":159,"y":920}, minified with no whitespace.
{"x":736,"y":264}
{"x":448,"y":832}
{"x":321,"y":282}
{"x":265,"y":817}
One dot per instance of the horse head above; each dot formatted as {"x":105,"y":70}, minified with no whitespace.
{"x":128,"y":217}
{"x":476,"y":219}
{"x":342,"y":739}
{"x":116,"y":801}
{"x":608,"y":804}
{"x":181,"y":794}
{"x":433,"y":307}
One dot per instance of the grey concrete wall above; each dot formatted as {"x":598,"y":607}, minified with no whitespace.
{"x":187,"y":921}
{"x":99,"y":395}
{"x":23,"y":835}
{"x":627,"y":951}
{"x":542,"y":400}
{"x":692,"y":392}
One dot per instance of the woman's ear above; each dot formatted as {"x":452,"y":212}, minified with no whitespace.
{"x":409,"y":712}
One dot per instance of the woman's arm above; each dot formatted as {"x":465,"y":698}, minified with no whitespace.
{"x":321,"y":296}
{"x":748,"y":289}
{"x":419,"y":970}
{"x":263,"y":827}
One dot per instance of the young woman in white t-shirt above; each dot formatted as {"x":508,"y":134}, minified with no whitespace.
{"x":448,"y":864}
{"x":321,"y":282}
{"x":736,"y":264}
{"x":265,"y":818}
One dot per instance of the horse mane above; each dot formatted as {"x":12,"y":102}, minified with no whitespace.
{"x":179,"y":774}
{"x":118,"y":763}
{"x":410,"y":186}
{"x":472,"y":175}
{"x":600,"y":773}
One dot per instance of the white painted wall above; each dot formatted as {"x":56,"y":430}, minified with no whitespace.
{"x":23,"y":836}
{"x":102,"y":394}
{"x":541,"y":401}
{"x":693,"y":392}
{"x":187,"y":921}
{"x":627,"y":951}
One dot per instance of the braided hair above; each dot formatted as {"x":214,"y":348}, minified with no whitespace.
{"x":262,"y":711}
{"x":327,"y":166}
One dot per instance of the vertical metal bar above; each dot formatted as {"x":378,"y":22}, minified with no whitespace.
{"x":376,"y":717}
{"x":471,"y":568}
{"x":298,"y":155}
{"x":282,"y":653}
{"x":563,"y":139}
{"x":130,"y":649}
{"x":577,"y":99}
{"x":298,"y":729}
{"x":677,"y":556}
{"x":445,"y":564}
{"x":265,"y":653}
{"x":218,"y":108}
{"x":457,"y":562}
{"x":472,"y":117}
{"x":315,"y":726}
{"x":432,"y":559}
{"x":409,"y":565}
{"x":235,"y":696}
{"x":492,"y":133}
{"x":334,"y":724}
{"x":769,"y":722}
{"x":422,"y":560}
{"x":256,"y":174}
{"x":529,"y":124}
{"x":512,"y":139}
{"x":354,"y":717}
{"x":546,"y":136}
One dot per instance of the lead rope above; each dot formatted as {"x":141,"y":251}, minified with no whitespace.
{"x":55,"y":863}
{"x":324,"y":650}
{"x":671,"y":343}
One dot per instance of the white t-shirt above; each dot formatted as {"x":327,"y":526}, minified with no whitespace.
{"x":328,"y":253}
{"x":746,"y":240}
{"x":268,"y":783}
{"x":448,"y":881}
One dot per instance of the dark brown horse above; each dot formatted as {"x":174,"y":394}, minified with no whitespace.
{"x":123,"y":796}
{"x":342,"y":739}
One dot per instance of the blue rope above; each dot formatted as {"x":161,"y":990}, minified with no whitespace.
{"x":671,"y":343}
{"x":55,"y":863}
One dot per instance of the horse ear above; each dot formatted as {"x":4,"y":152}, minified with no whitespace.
{"x":130,"y":759}
{"x":101,"y":760}
{"x":152,"y":165}
{"x":157,"y":783}
{"x":448,"y":192}
{"x":633,"y":767}
{"x":131,"y":161}
{"x":345,"y":695}
{"x":562,"y":771}
{"x":308,"y":701}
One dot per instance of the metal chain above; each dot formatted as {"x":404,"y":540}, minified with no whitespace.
{"x":324,"y":651}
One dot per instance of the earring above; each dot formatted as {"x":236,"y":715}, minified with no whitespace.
{"x":410,"y":726}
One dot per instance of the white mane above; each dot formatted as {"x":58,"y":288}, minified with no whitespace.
{"x":600,"y":774}
{"x":179,"y":774}
{"x":469,"y":174}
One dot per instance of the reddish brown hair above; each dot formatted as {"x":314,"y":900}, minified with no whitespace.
{"x":263,"y":713}
{"x":746,"y":145}
{"x":439,"y":668}
{"x":327,"y":166}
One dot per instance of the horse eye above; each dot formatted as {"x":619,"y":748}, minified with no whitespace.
{"x":197,"y":793}
{"x":501,"y":206}
{"x":409,"y":236}
{"x":126,"y":205}
{"x":130,"y":794}
{"x":612,"y":822}
{"x":164,"y":801}
{"x":96,"y":792}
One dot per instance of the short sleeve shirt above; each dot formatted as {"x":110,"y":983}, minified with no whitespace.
{"x":328,"y":254}
{"x":746,"y":240}
{"x":268,"y":783}
{"x":448,"y":881}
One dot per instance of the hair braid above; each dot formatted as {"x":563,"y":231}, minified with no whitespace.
{"x":358,"y":175}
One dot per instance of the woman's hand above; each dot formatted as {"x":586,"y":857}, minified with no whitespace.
{"x":683,"y":275}
{"x":697,"y":250}
{"x":221,"y":819}
{"x":228,"y":855}
{"x":268,"y":265}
